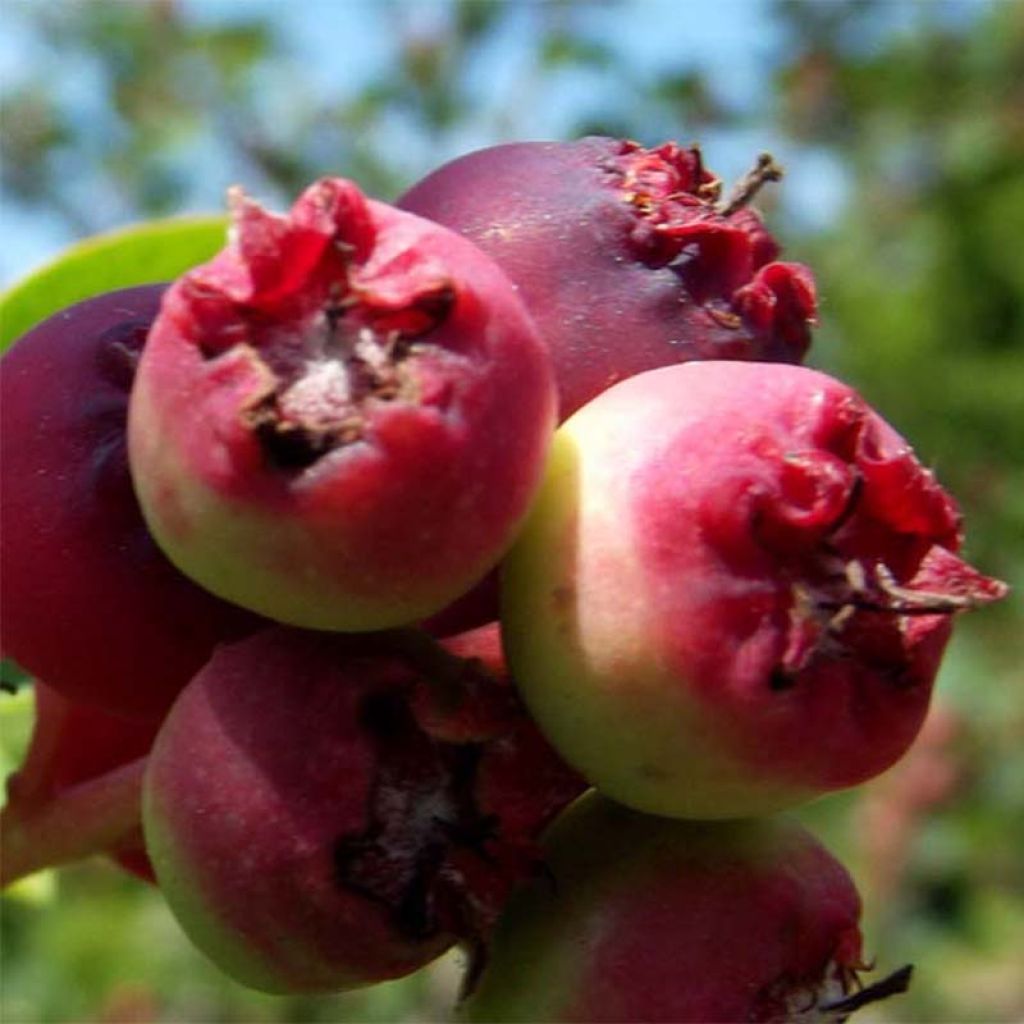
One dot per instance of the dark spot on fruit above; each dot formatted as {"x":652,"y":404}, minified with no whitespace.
{"x":292,"y":447}
{"x":384,"y":714}
{"x":779,"y":679}
{"x":334,"y":312}
{"x":422,"y":807}
{"x":118,"y":350}
{"x":852,"y":501}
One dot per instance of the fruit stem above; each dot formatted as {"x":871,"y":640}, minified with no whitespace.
{"x":743,"y":192}
{"x":88,"y":818}
{"x":890,"y":985}
{"x":442,"y":670}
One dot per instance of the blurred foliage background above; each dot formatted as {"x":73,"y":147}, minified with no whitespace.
{"x":902,"y":126}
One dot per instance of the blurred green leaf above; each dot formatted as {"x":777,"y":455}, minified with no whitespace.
{"x":17,"y":713}
{"x":141,"y":254}
{"x":564,"y":48}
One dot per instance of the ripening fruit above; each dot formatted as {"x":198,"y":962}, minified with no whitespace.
{"x":645,"y":919}
{"x":326,"y":811}
{"x":734,"y":590}
{"x":340,"y":420}
{"x":627,"y":257}
{"x":88,"y":601}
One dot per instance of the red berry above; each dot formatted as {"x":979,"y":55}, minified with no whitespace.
{"x":341,"y":419}
{"x":624,"y":256}
{"x":327,"y":811}
{"x":88,"y":602}
{"x":734,"y":590}
{"x":645,"y":919}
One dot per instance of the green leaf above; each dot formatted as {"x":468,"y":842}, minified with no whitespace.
{"x":158,"y":250}
{"x":17,"y":713}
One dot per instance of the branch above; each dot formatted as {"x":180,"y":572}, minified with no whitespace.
{"x":88,"y":818}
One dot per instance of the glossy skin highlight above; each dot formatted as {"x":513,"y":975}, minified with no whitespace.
{"x":340,"y":421}
{"x":734,"y":591}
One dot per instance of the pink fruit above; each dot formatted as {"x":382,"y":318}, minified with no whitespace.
{"x":88,"y":602}
{"x":645,"y":919}
{"x":625,"y":256}
{"x":734,"y":590}
{"x":341,"y":419}
{"x":325,"y":811}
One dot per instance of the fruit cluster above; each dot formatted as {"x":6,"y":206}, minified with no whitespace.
{"x":349,"y":560}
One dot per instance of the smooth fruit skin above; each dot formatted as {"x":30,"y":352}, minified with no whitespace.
{"x":624,"y":256}
{"x":646,"y":919}
{"x":340,"y":421}
{"x":323,"y":812}
{"x":259,"y":773}
{"x":734,"y":590}
{"x":88,"y":601}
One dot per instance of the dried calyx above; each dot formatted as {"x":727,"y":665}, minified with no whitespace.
{"x":462,"y":787}
{"x":871,"y":541}
{"x":326,"y":332}
{"x":422,"y":809}
{"x":717,"y":247}
{"x":837,"y":1009}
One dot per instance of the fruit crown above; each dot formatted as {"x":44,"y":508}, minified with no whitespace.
{"x":720,"y":249}
{"x":328,"y":253}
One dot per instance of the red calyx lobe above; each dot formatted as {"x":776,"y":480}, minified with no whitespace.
{"x":454,"y":734}
{"x":329,"y":250}
{"x":824,"y":556}
{"x":326,"y":304}
{"x":625,"y":257}
{"x":723,"y":255}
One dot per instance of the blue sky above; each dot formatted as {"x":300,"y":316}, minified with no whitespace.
{"x":339,"y":44}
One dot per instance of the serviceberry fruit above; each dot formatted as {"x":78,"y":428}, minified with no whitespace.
{"x":645,"y":919}
{"x":628,"y":258}
{"x":340,"y":420}
{"x":326,"y":811}
{"x":734,"y":591}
